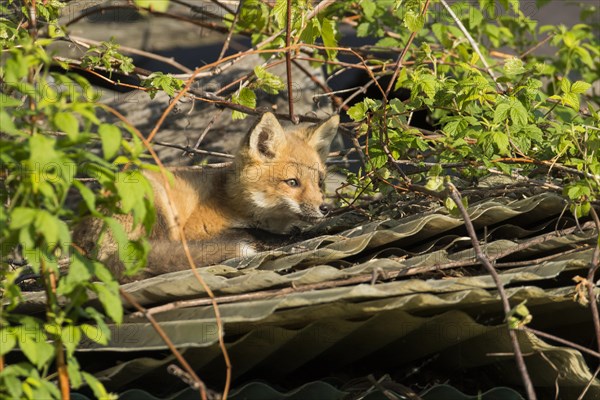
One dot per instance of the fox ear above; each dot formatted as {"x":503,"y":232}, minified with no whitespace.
{"x":321,"y":136}
{"x":266,"y":136}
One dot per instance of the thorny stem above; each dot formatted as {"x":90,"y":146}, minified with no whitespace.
{"x":288,"y":62}
{"x":231,"y":29}
{"x":595,"y":263}
{"x":198,"y":384}
{"x":50,"y":288}
{"x":186,"y":248}
{"x":402,"y":55}
{"x":455,"y":195}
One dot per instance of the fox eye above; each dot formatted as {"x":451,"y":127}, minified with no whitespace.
{"x":292,"y":182}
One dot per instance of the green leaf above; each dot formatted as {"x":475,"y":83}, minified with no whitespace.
{"x":565,"y":85}
{"x":32,"y":341}
{"x":571,"y":100}
{"x":514,"y":66}
{"x":78,"y":273}
{"x":357,"y":112}
{"x":501,"y":141}
{"x":501,"y":112}
{"x":131,"y":188}
{"x":245,"y":97}
{"x":328,"y":32}
{"x":66,"y":122}
{"x":518,"y":114}
{"x":48,"y":225}
{"x":154,"y":5}
{"x":580,"y":87}
{"x":111,"y":140}
{"x":111,"y":302}
{"x":21,"y":217}
{"x":88,"y":196}
{"x":99,"y":391}
{"x":414,"y":21}
{"x":268,"y":82}
{"x":279,"y":12}
{"x":95,"y":334}
{"x":8,"y":340}
{"x":369,"y":8}
{"x":6,"y":123}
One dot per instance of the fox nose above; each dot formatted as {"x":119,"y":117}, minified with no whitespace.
{"x":324,"y":209}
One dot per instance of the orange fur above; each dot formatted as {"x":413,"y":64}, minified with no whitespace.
{"x":274,"y":184}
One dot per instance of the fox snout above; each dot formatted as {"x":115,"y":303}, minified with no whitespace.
{"x":311,"y":212}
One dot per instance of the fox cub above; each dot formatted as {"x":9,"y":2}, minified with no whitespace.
{"x":274,"y":184}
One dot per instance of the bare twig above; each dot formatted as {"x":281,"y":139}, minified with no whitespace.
{"x":167,"y":60}
{"x":184,"y":243}
{"x":225,"y":6}
{"x":288,"y":62}
{"x":561,"y":341}
{"x":212,"y":121}
{"x":454,"y":194}
{"x":403,"y":54}
{"x":198,"y":384}
{"x":589,"y":384}
{"x":188,"y":149}
{"x":231,"y":29}
{"x":591,"y":279}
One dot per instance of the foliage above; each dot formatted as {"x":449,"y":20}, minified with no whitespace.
{"x":48,"y":121}
{"x":527,"y":115}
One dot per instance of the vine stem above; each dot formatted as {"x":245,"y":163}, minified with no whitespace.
{"x":288,"y":62}
{"x":198,"y":384}
{"x":455,"y":195}
{"x":187,"y":252}
{"x":231,"y":29}
{"x":403,"y":55}
{"x":595,"y":263}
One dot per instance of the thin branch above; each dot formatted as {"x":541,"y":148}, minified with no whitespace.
{"x":130,"y":50}
{"x":537,"y":46}
{"x":184,"y":243}
{"x":224,"y":6}
{"x":454,"y":194}
{"x":589,"y":384}
{"x":403,"y":54}
{"x":560,"y":340}
{"x":231,"y":29}
{"x":288,"y":62}
{"x":209,"y":25}
{"x":188,"y":149}
{"x":474,"y":45}
{"x":591,"y":279}
{"x":197,"y":383}
{"x":208,"y":127}
{"x":363,"y":278}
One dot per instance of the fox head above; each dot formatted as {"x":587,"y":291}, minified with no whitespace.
{"x":282,"y":173}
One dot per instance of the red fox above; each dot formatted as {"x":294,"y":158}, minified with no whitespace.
{"x":274,"y":184}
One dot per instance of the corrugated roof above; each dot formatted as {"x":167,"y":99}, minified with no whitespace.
{"x":384,"y":296}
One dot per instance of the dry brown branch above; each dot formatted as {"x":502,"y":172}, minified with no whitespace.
{"x":400,"y":59}
{"x":184,"y":243}
{"x":288,"y":61}
{"x":591,"y":279}
{"x":131,"y":6}
{"x":364,"y":278}
{"x":130,"y":50}
{"x":481,"y":256}
{"x":231,"y":29}
{"x":198,"y":384}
